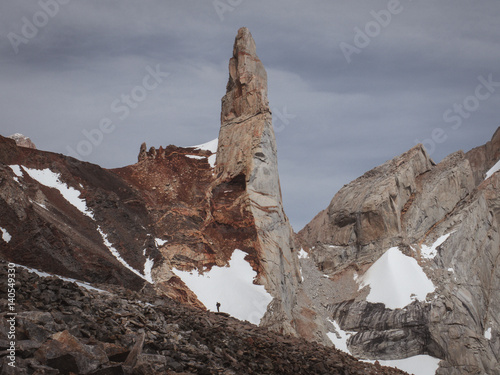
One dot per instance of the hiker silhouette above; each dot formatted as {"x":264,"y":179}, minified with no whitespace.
{"x":218,"y":306}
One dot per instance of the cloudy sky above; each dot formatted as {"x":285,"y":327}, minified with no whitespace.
{"x":351,"y":83}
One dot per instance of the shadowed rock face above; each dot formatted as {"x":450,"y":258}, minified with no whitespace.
{"x":410,"y":202}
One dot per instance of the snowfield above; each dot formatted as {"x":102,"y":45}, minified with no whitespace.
{"x":232,"y":287}
{"x":53,"y":180}
{"x":417,"y":365}
{"x":395,"y":280}
{"x":209,"y":146}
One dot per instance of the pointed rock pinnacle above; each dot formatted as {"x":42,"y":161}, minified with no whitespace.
{"x":246,"y":91}
{"x":247,"y":156}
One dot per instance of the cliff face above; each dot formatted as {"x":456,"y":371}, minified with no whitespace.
{"x":445,"y":217}
{"x":247,"y":151}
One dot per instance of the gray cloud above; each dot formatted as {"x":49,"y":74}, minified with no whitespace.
{"x":345,"y":117}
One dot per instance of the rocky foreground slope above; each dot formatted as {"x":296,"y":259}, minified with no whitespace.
{"x":64,"y":328}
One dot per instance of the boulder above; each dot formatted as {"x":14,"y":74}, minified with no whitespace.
{"x":66,"y":353}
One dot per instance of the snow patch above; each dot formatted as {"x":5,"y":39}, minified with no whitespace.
{"x":148,"y":266}
{"x":395,"y":280}
{"x":487,"y":334}
{"x":160,"y":242}
{"x":429,"y":252}
{"x":209,"y":146}
{"x":39,"y":204}
{"x":232,"y":287}
{"x":211,"y":160}
{"x":340,"y":338}
{"x":45,"y":274}
{"x":5,"y":235}
{"x":303,"y":254}
{"x":117,"y":255}
{"x":17,"y":170}
{"x":417,"y":365}
{"x":53,"y":180}
{"x":494,"y":169}
{"x":196,"y":157}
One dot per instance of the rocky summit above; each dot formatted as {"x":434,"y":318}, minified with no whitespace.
{"x":22,"y":140}
{"x":119,"y":271}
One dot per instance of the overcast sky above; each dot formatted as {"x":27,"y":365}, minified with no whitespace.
{"x":351,"y":83}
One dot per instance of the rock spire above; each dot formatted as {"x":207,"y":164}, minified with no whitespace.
{"x":247,"y":147}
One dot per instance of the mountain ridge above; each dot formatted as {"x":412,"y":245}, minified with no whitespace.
{"x":182,"y":210}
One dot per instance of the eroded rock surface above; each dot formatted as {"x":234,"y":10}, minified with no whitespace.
{"x":416,"y":205}
{"x":247,"y":151}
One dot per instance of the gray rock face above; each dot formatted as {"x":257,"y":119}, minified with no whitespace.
{"x":482,"y":158}
{"x":410,"y":202}
{"x":247,"y":147}
{"x":365,"y":216}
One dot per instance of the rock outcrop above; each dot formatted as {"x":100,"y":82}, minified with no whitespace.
{"x":247,"y":153}
{"x":22,"y":140}
{"x":366,"y":216}
{"x":446,"y":217}
{"x":482,"y":158}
